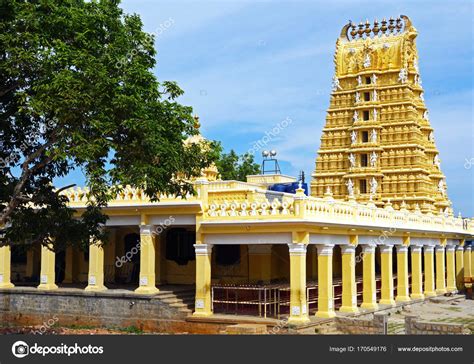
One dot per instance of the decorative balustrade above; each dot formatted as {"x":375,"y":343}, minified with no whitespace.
{"x":80,"y":196}
{"x":231,"y":185}
{"x":258,"y":209}
{"x":239,"y":200}
{"x":335,"y":212}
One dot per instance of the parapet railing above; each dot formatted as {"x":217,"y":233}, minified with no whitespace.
{"x":332,"y":211}
{"x":245,"y":201}
{"x":79,"y":195}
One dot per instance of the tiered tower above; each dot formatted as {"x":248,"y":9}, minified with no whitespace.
{"x":377,"y":143}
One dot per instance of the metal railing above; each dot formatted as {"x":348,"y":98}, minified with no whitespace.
{"x":273,"y":300}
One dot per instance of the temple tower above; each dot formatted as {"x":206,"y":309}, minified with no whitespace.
{"x":378,"y":143}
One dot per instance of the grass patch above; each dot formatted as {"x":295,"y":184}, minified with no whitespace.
{"x":77,"y":327}
{"x":130,"y":330}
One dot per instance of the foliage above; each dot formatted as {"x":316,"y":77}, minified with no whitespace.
{"x":77,"y":91}
{"x":234,"y":167}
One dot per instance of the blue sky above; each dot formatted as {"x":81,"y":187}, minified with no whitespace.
{"x":247,"y":65}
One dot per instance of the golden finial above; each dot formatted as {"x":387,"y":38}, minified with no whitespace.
{"x":361,"y":29}
{"x":376,"y":28}
{"x":197,"y":124}
{"x":399,"y":25}
{"x":367,"y":27}
{"x":353,"y":30}
{"x":391,"y":26}
{"x":384,"y":26}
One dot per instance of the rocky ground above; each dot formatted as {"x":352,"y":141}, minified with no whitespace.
{"x":459,"y":311}
{"x":440,"y":309}
{"x":41,"y":330}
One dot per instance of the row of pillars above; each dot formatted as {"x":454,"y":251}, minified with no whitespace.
{"x":96,"y":265}
{"x":451,"y":264}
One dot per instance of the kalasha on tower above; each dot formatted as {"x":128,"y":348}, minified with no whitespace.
{"x":378,"y":144}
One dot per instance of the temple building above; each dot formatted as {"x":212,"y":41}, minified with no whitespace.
{"x":377,"y":143}
{"x":376,"y":230}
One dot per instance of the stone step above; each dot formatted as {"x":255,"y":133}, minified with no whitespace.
{"x":181,"y":300}
{"x":173,"y":294}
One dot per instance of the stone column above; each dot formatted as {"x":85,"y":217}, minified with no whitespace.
{"x":260,"y":263}
{"x":369,"y":295}
{"x":460,"y":267}
{"x":402,"y":274}
{"x":298,"y":301}
{"x":47,"y":274}
{"x":387,"y":275}
{"x":147,"y":261}
{"x":96,"y":268}
{"x":467,"y":265}
{"x":440,"y":270}
{"x":203,"y":304}
{"x":325,"y":287}
{"x":416,"y":273}
{"x":429,"y":271}
{"x":5,"y":267}
{"x":450,"y":269}
{"x":349,"y":289}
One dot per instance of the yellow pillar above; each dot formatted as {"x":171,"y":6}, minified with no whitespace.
{"x":402,"y":274}
{"x":298,"y":302}
{"x":5,"y":267}
{"x":96,"y":268}
{"x":450,"y":269}
{"x":203,"y":304}
{"x":440,"y":270}
{"x":47,"y":274}
{"x":460,"y":267}
{"x":472,"y":264}
{"x":349,"y":289}
{"x":467,"y":266}
{"x":416,"y":273}
{"x":369,"y":294}
{"x":429,"y":271}
{"x":325,"y":287}
{"x":147,"y":261}
{"x":260,"y":263}
{"x":387,"y":275}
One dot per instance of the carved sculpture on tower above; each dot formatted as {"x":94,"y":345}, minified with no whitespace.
{"x":388,"y":150}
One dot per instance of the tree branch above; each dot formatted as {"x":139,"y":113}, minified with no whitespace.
{"x":26,"y":173}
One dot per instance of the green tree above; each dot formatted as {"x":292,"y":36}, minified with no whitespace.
{"x":77,"y":91}
{"x":234,"y":167}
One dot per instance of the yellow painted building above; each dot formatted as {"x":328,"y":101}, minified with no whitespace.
{"x":275,"y":253}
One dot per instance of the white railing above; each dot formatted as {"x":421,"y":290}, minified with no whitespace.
{"x":79,"y":195}
{"x":265,"y":204}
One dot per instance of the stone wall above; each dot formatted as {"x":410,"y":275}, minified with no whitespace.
{"x":414,"y":326}
{"x":28,"y":307}
{"x":357,"y":326}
